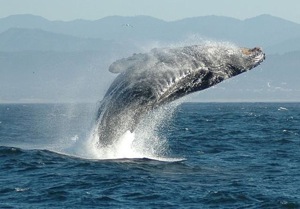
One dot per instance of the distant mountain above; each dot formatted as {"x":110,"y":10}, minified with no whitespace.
{"x":270,"y":30}
{"x":57,"y":61}
{"x":52,"y":76}
{"x":23,"y":21}
{"x":290,"y":45}
{"x":108,"y":28}
{"x":264,"y":30}
{"x":20,"y":39}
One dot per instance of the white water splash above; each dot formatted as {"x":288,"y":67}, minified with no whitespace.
{"x":145,"y":142}
{"x":123,"y":148}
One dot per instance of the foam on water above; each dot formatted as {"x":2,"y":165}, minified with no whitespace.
{"x":121,"y":149}
{"x":145,"y":142}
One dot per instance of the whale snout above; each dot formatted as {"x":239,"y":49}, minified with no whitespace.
{"x":253,"y":52}
{"x":256,"y":54}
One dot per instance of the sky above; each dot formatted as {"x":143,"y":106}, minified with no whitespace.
{"x":163,"y":9}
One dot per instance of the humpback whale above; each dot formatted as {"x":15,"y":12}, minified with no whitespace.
{"x":149,"y":80}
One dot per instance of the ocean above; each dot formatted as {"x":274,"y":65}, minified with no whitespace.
{"x":196,"y":155}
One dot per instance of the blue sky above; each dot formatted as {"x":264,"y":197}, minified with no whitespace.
{"x":162,"y":9}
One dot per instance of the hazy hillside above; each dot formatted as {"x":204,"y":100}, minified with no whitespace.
{"x":17,"y":39}
{"x":289,"y":45}
{"x":264,"y":30}
{"x":57,"y":61}
{"x":35,"y":76}
{"x":277,"y":79}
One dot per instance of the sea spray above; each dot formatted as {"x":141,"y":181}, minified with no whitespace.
{"x":146,"y":142}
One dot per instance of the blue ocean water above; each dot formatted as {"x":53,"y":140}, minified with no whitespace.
{"x":215,"y":155}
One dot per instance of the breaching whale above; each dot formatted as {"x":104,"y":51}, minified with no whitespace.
{"x":149,"y":80}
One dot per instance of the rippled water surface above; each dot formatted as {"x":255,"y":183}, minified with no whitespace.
{"x":219,"y":155}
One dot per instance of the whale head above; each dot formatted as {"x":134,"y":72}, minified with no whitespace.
{"x":193,"y":68}
{"x":244,"y":59}
{"x":226,"y":60}
{"x":253,"y":57}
